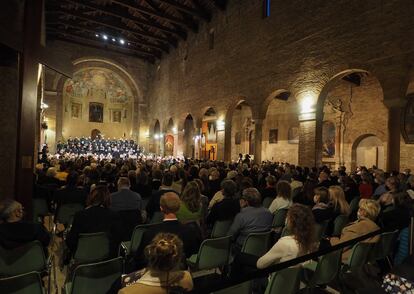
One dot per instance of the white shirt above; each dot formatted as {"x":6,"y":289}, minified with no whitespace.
{"x":285,"y":249}
{"x":279,"y":203}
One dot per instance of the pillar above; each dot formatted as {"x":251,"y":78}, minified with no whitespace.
{"x":258,"y":140}
{"x":59,"y":116}
{"x":394,"y":133}
{"x":221,"y":144}
{"x":227,"y":141}
{"x":310,"y":140}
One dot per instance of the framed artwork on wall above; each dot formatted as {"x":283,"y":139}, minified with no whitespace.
{"x":237,"y":138}
{"x":273,"y":133}
{"x":328,"y":139}
{"x":96,"y":112}
{"x":76,"y":110}
{"x":116,"y":116}
{"x":293,"y":135}
{"x":407,"y":127}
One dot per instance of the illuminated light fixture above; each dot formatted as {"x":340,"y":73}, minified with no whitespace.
{"x":174,"y":130}
{"x":156,"y":136}
{"x":105,"y":37}
{"x":96,"y":35}
{"x":129,"y":43}
{"x":44,"y":105}
{"x":307,"y":104}
{"x":220,"y":125}
{"x":122,"y":41}
{"x":113,"y":40}
{"x":161,"y":135}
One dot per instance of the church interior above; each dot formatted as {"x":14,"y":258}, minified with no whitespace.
{"x":206,"y":146}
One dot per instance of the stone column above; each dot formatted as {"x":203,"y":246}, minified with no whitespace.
{"x":221,"y":144}
{"x":59,"y":116}
{"x":394,"y":133}
{"x":258,"y":140}
{"x":310,"y":140}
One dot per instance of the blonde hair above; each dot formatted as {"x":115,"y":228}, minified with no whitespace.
{"x":191,"y":196}
{"x":371,"y":208}
{"x":164,"y":253}
{"x":337,"y":195}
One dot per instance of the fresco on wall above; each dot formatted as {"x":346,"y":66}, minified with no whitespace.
{"x":273,"y":133}
{"x":293,"y":135}
{"x":98,"y":84}
{"x":328,"y":139}
{"x":96,"y":112}
{"x":116,"y":116}
{"x":169,"y":145}
{"x":408,"y":125}
{"x":76,"y":110}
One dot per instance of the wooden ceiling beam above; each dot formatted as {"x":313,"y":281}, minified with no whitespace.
{"x":202,"y":14}
{"x":79,"y":26}
{"x":119,"y":12}
{"x":131,"y":4}
{"x":97,"y":45}
{"x":118,"y":26}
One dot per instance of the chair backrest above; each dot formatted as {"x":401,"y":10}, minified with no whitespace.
{"x":96,"y":278}
{"x":213,"y":253}
{"x":29,"y":257}
{"x":320,"y":229}
{"x":285,"y":281}
{"x":130,"y":219}
{"x":327,"y":268}
{"x":92,"y":248}
{"x":340,"y":222}
{"x":243,"y":288}
{"x":257,"y":243}
{"x":157,"y":217}
{"x":279,"y":218}
{"x":66,"y":212}
{"x":384,"y":246}
{"x":29,"y":283}
{"x":137,"y":237}
{"x":359,"y":254}
{"x":267,"y":201}
{"x":221,"y":228}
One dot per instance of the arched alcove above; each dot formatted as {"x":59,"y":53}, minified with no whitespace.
{"x":368,"y":150}
{"x":209,"y":132}
{"x":241,"y":126}
{"x":188,"y":150}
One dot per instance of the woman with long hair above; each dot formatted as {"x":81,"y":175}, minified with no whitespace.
{"x":338,"y":201}
{"x":283,"y":197}
{"x":190,"y":208}
{"x":162,"y":274}
{"x":301,"y":225}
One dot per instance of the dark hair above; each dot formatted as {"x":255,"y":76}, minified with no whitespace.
{"x":72,"y":179}
{"x":229,"y":188}
{"x":284,"y":190}
{"x":323,"y":194}
{"x":191,"y":196}
{"x":164,"y":253}
{"x":301,"y":225}
{"x":99,"y":196}
{"x":167,"y":179}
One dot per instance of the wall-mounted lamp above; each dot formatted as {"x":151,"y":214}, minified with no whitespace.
{"x":220,"y":125}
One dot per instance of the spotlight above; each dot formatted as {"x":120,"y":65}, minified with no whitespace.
{"x":105,"y":37}
{"x":122,"y":41}
{"x":96,"y":35}
{"x":113,"y":40}
{"x":129,"y":43}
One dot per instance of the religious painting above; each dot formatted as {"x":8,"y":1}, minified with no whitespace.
{"x":116,"y":116}
{"x":408,"y":122}
{"x":328,"y":139}
{"x":76,"y":110}
{"x":98,"y":83}
{"x":211,"y":132}
{"x":273,"y":133}
{"x":169,"y":145}
{"x":96,"y":112}
{"x":293,"y":135}
{"x":237,"y":138}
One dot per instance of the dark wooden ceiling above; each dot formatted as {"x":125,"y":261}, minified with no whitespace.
{"x":145,"y":29}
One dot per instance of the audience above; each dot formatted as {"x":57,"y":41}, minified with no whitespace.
{"x":153,"y":204}
{"x":190,"y":206}
{"x":125,"y":199}
{"x":226,"y":208}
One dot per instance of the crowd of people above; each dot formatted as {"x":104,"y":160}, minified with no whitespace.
{"x":85,"y":146}
{"x":192,"y":195}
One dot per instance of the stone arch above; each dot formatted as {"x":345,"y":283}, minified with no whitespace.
{"x":170,"y":125}
{"x":378,"y":154}
{"x":265,"y":105}
{"x":188,"y":134}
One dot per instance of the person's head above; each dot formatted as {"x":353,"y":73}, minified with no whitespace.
{"x":164,"y":253}
{"x":392,"y":183}
{"x":169,"y":203}
{"x":368,"y":209}
{"x":12,"y":211}
{"x":229,"y":188}
{"x":72,"y":179}
{"x":321,"y":195}
{"x":337,"y":196}
{"x":167,"y":179}
{"x":402,"y":200}
{"x":123,"y":183}
{"x":200,"y":184}
{"x":323,"y":176}
{"x":232,"y":175}
{"x":379,"y":178}
{"x":191,"y":196}
{"x":301,"y":224}
{"x":250,"y":197}
{"x":271,"y":181}
{"x":284,"y":190}
{"x":51,"y":172}
{"x":99,"y":196}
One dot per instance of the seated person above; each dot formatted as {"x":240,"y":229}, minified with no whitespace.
{"x":322,"y":211}
{"x":125,"y":199}
{"x":253,"y":218}
{"x":301,"y":225}
{"x":270,"y":189}
{"x":14,"y":231}
{"x":228,"y":207}
{"x":169,"y":205}
{"x":96,"y":217}
{"x":190,"y":206}
{"x":367,"y":214}
{"x":71,"y":193}
{"x":153,"y":204}
{"x":398,"y":216}
{"x":162,"y":273}
{"x":283,"y":198}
